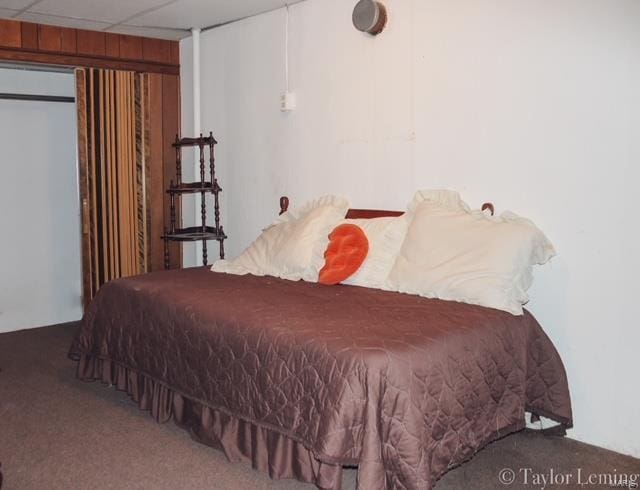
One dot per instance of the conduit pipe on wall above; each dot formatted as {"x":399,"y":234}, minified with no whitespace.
{"x":195,"y":37}
{"x":195,"y":33}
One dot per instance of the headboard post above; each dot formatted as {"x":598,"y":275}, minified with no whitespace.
{"x":490,"y":207}
{"x":284,"y":204}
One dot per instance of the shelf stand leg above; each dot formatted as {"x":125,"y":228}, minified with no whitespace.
{"x":203,"y":211}
{"x":172,"y":208}
{"x":212,"y":169}
{"x":216,"y":209}
{"x":203,"y":215}
{"x":166,"y":250}
{"x":221,"y":241}
{"x":204,"y":252}
{"x":178,"y":162}
{"x":201,"y":147}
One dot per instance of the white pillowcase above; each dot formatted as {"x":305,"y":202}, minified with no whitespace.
{"x":442,"y":197}
{"x":453,"y":253}
{"x":293,"y":246}
{"x":385,"y":237}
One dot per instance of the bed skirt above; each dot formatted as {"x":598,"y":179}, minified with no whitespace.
{"x":266,"y":450}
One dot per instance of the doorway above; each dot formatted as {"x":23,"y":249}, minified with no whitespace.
{"x":40,"y":257}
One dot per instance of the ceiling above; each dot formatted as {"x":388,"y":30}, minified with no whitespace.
{"x":166,"y":19}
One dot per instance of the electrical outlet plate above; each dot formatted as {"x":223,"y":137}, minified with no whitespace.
{"x":287,"y":101}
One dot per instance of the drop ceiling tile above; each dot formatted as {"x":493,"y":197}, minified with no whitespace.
{"x":160,"y":33}
{"x":110,"y":11}
{"x":204,"y":13}
{"x":15,"y":4}
{"x":55,"y":20}
{"x":7,"y":13}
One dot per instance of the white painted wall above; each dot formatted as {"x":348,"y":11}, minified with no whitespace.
{"x":40,"y":261}
{"x":533,"y":105}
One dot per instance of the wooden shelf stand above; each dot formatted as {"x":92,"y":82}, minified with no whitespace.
{"x":176,"y":189}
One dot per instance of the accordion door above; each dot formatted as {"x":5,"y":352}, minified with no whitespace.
{"x":113,"y":115}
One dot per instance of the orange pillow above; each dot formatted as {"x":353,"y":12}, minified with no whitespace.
{"x":347,"y":249}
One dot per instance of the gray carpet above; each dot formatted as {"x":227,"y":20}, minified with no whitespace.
{"x":60,"y":433}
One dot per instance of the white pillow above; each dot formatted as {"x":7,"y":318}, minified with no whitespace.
{"x":442,"y":197}
{"x":453,"y":253}
{"x":293,"y":246}
{"x":385,"y":237}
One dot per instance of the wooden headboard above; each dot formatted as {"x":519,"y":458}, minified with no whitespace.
{"x":372,"y":213}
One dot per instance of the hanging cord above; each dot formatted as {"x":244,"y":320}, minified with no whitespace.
{"x":286,"y":48}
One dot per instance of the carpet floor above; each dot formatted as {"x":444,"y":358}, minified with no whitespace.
{"x":57,"y":432}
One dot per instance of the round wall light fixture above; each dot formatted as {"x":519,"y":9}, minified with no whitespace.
{"x":369,"y":16}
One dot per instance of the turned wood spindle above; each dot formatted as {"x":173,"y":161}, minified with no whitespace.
{"x":221,"y":242}
{"x":201,"y":147}
{"x":166,"y":250}
{"x":204,"y":252}
{"x":178,"y":161}
{"x":212,"y":168}
{"x":172,"y":210}
{"x":216,"y":211}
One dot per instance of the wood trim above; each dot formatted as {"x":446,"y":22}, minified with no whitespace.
{"x":158,"y":50}
{"x":29,"y":35}
{"x":170,"y":128}
{"x":68,"y":40}
{"x":49,"y":38}
{"x":83,"y":168}
{"x":130,"y":47}
{"x":112,"y":45}
{"x":351,"y":213}
{"x":371,"y":213}
{"x":32,"y":56}
{"x":57,"y":39}
{"x":53,"y":45}
{"x":156,"y":174}
{"x":92,"y":43}
{"x":374,"y":213}
{"x":175,"y":53}
{"x":10,"y":33}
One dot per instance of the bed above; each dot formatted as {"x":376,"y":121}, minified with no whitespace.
{"x":301,"y":379}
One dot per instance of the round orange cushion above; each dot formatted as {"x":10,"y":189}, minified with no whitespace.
{"x":347,"y":249}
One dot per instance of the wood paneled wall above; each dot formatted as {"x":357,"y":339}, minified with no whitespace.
{"x":51,"y":45}
{"x":164,"y":98}
{"x":39,"y":43}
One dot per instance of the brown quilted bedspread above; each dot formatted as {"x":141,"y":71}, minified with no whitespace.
{"x":402,"y":386}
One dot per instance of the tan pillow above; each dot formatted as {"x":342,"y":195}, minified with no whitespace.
{"x":453,"y":253}
{"x":293,"y":247}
